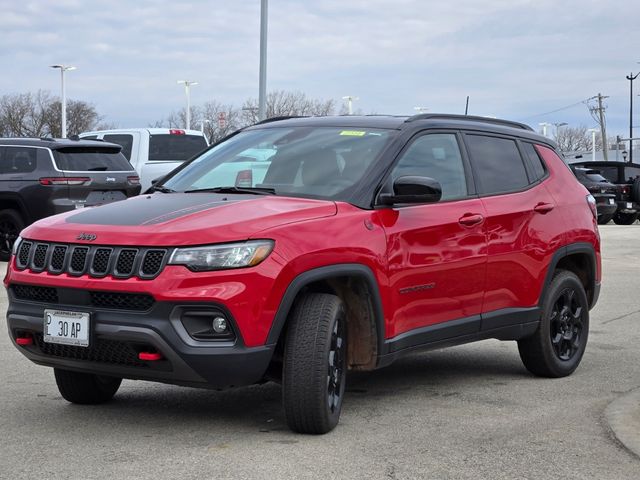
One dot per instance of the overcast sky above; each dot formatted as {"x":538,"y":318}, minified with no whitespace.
{"x":516,"y":59}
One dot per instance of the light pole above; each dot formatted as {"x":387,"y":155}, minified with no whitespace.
{"x":63,"y":97}
{"x":593,"y":143}
{"x":558,"y":125}
{"x":350,"y":99}
{"x":544,"y":126}
{"x":187,"y":85}
{"x":202,"y":122}
{"x":262,"y":89}
{"x":631,"y":77}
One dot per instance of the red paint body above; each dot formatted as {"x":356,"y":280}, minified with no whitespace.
{"x":433,"y":263}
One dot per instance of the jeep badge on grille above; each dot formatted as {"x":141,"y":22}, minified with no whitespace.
{"x":89,"y":237}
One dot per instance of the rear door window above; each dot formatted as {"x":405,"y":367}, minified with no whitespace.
{"x":124,"y":140}
{"x":18,"y":160}
{"x":497,"y":164}
{"x":175,"y":148}
{"x":90,"y":159}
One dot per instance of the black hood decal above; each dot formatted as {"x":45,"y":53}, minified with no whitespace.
{"x":153,"y":209}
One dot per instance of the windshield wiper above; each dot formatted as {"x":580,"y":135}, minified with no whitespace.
{"x":229,"y":189}
{"x":161,"y":189}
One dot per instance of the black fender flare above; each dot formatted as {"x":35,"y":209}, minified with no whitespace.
{"x":323,"y":273}
{"x":563,"y":252}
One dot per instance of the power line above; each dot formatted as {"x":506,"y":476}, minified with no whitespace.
{"x":581,"y":102}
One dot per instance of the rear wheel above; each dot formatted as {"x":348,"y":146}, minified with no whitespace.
{"x":555,"y":350}
{"x":315,"y":364}
{"x":86,"y":388}
{"x":11,"y":224}
{"x":604,"y":219}
{"x":624,"y":218}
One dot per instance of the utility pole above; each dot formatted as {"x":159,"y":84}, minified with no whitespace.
{"x":350,"y":99}
{"x":598,"y":115}
{"x":631,"y":77}
{"x":466,"y":107}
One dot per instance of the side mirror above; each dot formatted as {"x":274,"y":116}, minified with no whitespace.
{"x":412,"y":189}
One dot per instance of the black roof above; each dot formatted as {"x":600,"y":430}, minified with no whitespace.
{"x":57,"y":143}
{"x":403,"y":122}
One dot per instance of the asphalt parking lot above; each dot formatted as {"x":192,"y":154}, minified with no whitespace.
{"x":466,"y":412}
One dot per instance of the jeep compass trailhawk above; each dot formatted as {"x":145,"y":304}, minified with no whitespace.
{"x":343,"y":244}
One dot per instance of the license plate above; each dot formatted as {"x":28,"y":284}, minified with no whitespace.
{"x":67,"y":328}
{"x":611,"y":201}
{"x":629,"y":205}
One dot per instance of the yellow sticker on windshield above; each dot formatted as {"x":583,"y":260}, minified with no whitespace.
{"x":353,"y":133}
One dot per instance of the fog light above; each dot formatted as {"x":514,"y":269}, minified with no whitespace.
{"x":220,"y":325}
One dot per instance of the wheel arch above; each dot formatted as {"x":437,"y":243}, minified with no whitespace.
{"x":579,"y":258}
{"x":14,"y":202}
{"x":357,"y":287}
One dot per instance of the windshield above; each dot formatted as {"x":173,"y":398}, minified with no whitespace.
{"x":322,"y":162}
{"x":91,"y":159}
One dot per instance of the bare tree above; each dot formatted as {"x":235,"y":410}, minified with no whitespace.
{"x":576,"y":139}
{"x":38,"y":114}
{"x":281,"y":103}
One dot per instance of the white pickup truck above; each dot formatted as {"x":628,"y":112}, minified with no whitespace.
{"x":153,"y":152}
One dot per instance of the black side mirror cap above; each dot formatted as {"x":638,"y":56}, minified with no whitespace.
{"x":413,"y":189}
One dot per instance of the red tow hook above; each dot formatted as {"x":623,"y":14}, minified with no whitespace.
{"x":150,"y":356}
{"x":24,"y":340}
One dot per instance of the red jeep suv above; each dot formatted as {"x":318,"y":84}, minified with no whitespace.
{"x":297,"y":249}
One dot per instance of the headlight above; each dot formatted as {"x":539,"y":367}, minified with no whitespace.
{"x":16,"y":245}
{"x":222,"y":256}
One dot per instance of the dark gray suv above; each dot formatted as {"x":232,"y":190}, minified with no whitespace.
{"x":42,"y":177}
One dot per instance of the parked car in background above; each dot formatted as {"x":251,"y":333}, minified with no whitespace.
{"x":42,"y":177}
{"x":602,"y":190}
{"x":627,"y":177}
{"x":153,"y":152}
{"x":363,"y":239}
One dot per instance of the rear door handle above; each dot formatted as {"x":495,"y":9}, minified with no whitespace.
{"x":543,"y":207}
{"x":471,"y":219}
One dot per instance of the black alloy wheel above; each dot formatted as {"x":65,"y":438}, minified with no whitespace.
{"x":11,"y":224}
{"x":566,"y":325}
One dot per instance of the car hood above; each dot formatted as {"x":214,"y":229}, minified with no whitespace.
{"x":178,"y":219}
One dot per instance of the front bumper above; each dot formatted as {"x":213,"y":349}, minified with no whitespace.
{"x":117,"y":336}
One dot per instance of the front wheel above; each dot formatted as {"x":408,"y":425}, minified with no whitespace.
{"x":315,"y":363}
{"x":86,"y":388}
{"x":604,"y":219}
{"x":555,"y":350}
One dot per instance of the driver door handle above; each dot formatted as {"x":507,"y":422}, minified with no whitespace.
{"x":470,"y":219}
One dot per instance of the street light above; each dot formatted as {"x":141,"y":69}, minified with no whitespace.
{"x":544,"y":126}
{"x":631,"y":77}
{"x":558,"y":125}
{"x":187,"y":85}
{"x":63,"y":100}
{"x":350,"y":99}
{"x":593,"y":143}
{"x":262,"y":85}
{"x":202,"y":122}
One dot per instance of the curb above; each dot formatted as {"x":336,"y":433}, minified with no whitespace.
{"x":623,"y":417}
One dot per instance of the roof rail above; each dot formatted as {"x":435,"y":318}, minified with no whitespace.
{"x":277,"y":119}
{"x":47,"y":139}
{"x":471,"y":118}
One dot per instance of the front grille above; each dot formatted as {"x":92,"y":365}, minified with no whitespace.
{"x":121,"y":301}
{"x":81,"y":298}
{"x":40,"y":256}
{"x":101,"y":350}
{"x":95,"y":261}
{"x":126,"y":262}
{"x":57,"y":258}
{"x":78,"y":259}
{"x":35,"y":294}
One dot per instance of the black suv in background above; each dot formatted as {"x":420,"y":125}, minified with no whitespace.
{"x":627,"y":177}
{"x":602,"y":190}
{"x":42,"y":177}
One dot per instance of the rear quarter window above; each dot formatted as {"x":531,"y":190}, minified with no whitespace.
{"x":175,"y":148}
{"x":18,"y":160}
{"x":498,"y":166}
{"x":90,"y":159}
{"x":538,"y":168}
